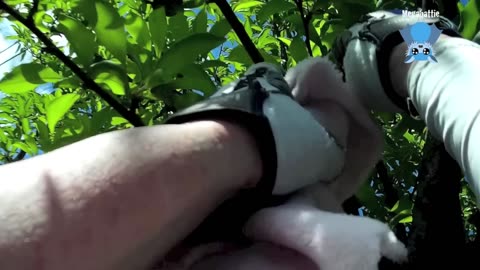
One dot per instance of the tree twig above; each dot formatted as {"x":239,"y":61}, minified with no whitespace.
{"x":33,"y":10}
{"x":135,"y":103}
{"x":239,"y":29}
{"x":11,"y":58}
{"x":87,"y":81}
{"x":306,"y":23}
{"x":283,"y":48}
{"x":391,"y":196}
{"x":11,"y":45}
{"x":19,"y":156}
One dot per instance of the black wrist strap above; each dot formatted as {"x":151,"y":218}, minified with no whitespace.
{"x":242,"y":106}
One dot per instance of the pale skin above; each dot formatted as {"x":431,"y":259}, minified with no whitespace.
{"x":117,"y":200}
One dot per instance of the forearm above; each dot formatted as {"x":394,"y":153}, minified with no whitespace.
{"x":446,"y":96}
{"x":90,"y":204}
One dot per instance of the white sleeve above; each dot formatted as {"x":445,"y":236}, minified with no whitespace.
{"x":447,"y":96}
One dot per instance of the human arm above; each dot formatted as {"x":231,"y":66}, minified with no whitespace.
{"x":162,"y":191}
{"x":371,"y":55}
{"x":92,"y":203}
{"x":446,"y":96}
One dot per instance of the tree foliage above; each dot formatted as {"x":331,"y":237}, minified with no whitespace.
{"x":132,"y":63}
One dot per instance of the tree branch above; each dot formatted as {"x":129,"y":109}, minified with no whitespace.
{"x":20,"y":156}
{"x":283,"y":47}
{"x":306,"y":23}
{"x":237,"y":26}
{"x":437,"y":215}
{"x":33,"y":10}
{"x":135,"y":103}
{"x":87,"y":81}
{"x":391,"y":196}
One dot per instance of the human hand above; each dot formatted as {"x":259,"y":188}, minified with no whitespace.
{"x":317,"y":85}
{"x":295,"y":148}
{"x":332,"y":241}
{"x":363,"y":53}
{"x":297,"y":235}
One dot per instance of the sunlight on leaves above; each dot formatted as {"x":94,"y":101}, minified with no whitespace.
{"x":26,"y":77}
{"x":186,"y":51}
{"x":110,"y":30}
{"x":58,"y":107}
{"x":81,"y":40}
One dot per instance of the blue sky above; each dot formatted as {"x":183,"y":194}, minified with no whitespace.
{"x":6,"y":52}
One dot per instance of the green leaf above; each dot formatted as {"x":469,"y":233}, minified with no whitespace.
{"x":116,"y":121}
{"x":265,"y":39}
{"x":69,"y":82}
{"x":138,"y":29}
{"x":199,"y":24}
{"x":192,"y":3}
{"x":350,"y":11}
{"x":141,"y":57}
{"x":26,"y":77}
{"x":404,"y":215}
{"x":403,"y":204}
{"x":87,"y":9}
{"x":470,"y":19}
{"x":269,"y":58}
{"x":156,"y":78}
{"x":319,"y":5}
{"x":298,"y":49}
{"x":240,"y":55}
{"x":111,"y":75}
{"x":16,"y":2}
{"x":286,"y":41}
{"x":58,"y":107}
{"x":7,"y":117}
{"x":408,"y":219}
{"x":82,"y":40}
{"x":25,"y":126}
{"x":186,"y":51}
{"x":248,"y":27}
{"x":214,"y":63}
{"x":191,"y":77}
{"x":178,"y":27}
{"x":274,"y":7}
{"x":221,"y":28}
{"x":246,"y":4}
{"x":157,"y":23}
{"x":110,"y":30}
{"x":22,"y":146}
{"x":186,"y":99}
{"x":101,"y":119}
{"x":32,"y":144}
